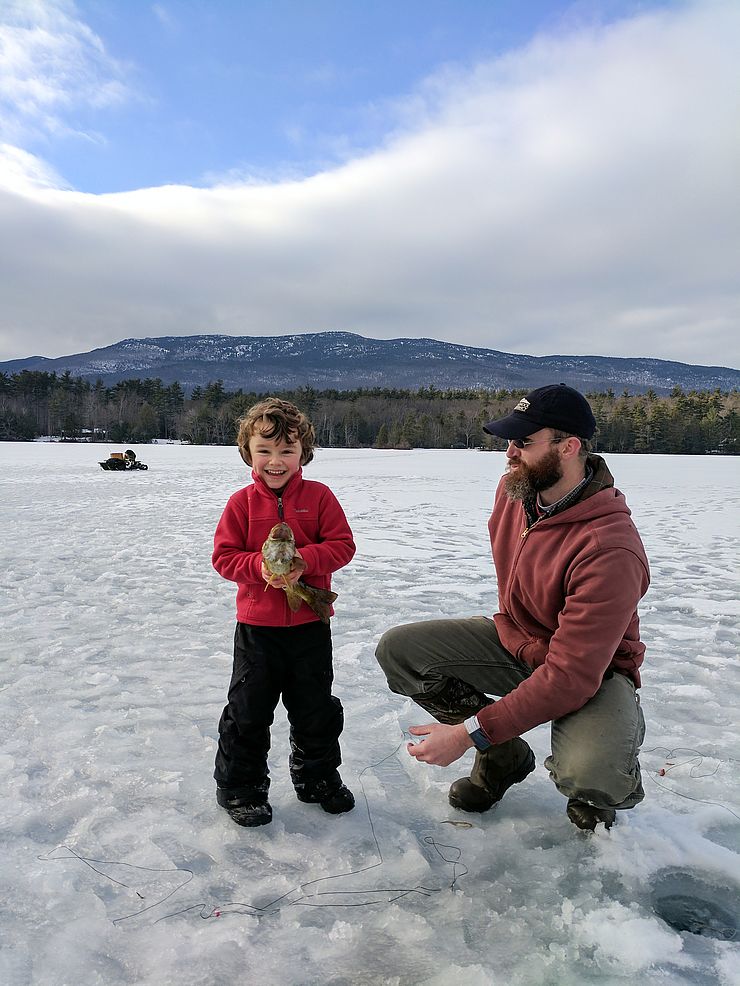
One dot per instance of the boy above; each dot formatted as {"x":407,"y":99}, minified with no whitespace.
{"x":277,"y":651}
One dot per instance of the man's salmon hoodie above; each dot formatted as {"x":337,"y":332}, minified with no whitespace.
{"x":568,"y":589}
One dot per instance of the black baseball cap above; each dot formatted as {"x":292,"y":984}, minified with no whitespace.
{"x":554,"y":406}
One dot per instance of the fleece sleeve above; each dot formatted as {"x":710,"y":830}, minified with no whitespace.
{"x":230,"y":556}
{"x":600,"y":604}
{"x":335,"y":547}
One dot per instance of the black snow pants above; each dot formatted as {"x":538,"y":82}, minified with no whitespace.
{"x":295,"y":662}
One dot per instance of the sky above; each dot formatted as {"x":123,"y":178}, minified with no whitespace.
{"x":546,"y":178}
{"x":111,"y":691}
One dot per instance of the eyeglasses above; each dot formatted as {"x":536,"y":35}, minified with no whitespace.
{"x":524,"y":442}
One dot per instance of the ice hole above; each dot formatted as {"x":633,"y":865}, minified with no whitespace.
{"x":695,"y":903}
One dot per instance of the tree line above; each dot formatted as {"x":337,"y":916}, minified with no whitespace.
{"x":34,"y":404}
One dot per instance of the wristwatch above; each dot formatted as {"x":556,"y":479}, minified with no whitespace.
{"x":475,"y":731}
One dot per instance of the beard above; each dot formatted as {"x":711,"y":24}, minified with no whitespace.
{"x":527,"y":481}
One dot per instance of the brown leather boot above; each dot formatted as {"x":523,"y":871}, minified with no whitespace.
{"x":587,"y":817}
{"x":495,"y":770}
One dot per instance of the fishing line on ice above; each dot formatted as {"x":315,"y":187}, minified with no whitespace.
{"x":696,"y":759}
{"x":88,"y":861}
{"x":306,"y":900}
{"x":448,"y":853}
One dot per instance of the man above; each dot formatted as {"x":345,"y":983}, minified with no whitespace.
{"x":564,"y":647}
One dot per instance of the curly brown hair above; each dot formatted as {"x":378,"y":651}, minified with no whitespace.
{"x":276,"y":419}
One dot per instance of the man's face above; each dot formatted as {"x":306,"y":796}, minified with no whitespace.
{"x":534,"y":468}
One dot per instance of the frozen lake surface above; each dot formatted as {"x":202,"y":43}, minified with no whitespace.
{"x":116,"y":865}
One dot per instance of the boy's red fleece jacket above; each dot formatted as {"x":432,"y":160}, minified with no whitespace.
{"x":322,"y":535}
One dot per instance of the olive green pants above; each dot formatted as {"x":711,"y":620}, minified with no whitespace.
{"x":450,"y":667}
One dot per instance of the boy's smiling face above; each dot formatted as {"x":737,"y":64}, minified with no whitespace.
{"x":274,"y":460}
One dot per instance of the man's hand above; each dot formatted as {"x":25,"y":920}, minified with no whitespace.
{"x":442,"y":745}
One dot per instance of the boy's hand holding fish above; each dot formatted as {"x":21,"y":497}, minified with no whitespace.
{"x":282,"y":568}
{"x":286,"y":578}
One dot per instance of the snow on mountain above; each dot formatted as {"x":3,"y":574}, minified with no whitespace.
{"x":345,"y":361}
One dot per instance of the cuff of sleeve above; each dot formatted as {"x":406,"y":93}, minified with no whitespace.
{"x":308,"y":555}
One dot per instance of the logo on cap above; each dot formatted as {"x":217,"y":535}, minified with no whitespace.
{"x":523,"y":405}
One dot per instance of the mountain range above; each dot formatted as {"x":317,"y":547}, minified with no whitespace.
{"x":345,"y":361}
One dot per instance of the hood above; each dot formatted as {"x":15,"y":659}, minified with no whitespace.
{"x":602,"y":479}
{"x":599,"y":498}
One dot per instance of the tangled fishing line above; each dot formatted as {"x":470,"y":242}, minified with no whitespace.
{"x":672,"y":762}
{"x":308,"y":895}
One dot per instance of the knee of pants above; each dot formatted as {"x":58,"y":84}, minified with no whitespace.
{"x":586,"y":778}
{"x":329,"y":723}
{"x":390,"y":649}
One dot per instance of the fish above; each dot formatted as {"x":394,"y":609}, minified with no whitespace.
{"x":279,"y":557}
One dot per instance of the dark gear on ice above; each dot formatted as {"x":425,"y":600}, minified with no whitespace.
{"x":564,"y":646}
{"x":122,"y":462}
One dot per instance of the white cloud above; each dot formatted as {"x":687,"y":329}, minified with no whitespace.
{"x":23,"y":172}
{"x":577,"y":196}
{"x":165,"y":17}
{"x":51,"y":62}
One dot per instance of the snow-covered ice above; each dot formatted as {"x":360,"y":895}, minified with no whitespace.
{"x":117,"y":867}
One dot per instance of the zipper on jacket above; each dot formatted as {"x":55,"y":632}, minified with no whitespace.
{"x":280,"y":507}
{"x":529,"y":527}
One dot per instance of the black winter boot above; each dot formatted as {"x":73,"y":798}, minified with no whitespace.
{"x":329,"y":792}
{"x":246,"y":805}
{"x":495,"y":770}
{"x":587,"y":817}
